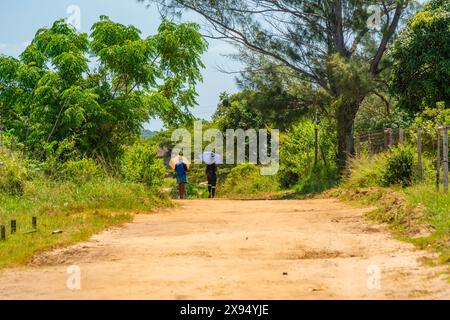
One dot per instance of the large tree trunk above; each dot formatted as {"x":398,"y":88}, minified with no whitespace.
{"x":345,"y":116}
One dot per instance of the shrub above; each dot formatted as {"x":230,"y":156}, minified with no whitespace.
{"x":81,"y":171}
{"x":366,"y":172}
{"x":12,"y":175}
{"x":399,"y":167}
{"x":385,"y":169}
{"x":139,"y":163}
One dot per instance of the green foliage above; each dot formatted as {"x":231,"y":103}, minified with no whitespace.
{"x":431,"y":118}
{"x":308,"y":54}
{"x":396,"y":167}
{"x":12,"y":174}
{"x":318,"y":180}
{"x":94,"y":92}
{"x":275,"y":95}
{"x":192,"y":190}
{"x":81,"y":171}
{"x":246,"y":180}
{"x":366,"y":172}
{"x":399,"y":167}
{"x":237,"y":112}
{"x":421,"y":58}
{"x":349,"y":76}
{"x":139,"y":163}
{"x":78,"y":209}
{"x":437,"y":206}
{"x":376,"y":114}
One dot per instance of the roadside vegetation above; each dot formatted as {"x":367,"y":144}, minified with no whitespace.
{"x":409,"y":91}
{"x":71,"y":205}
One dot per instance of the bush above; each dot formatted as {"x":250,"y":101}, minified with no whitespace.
{"x":12,"y":175}
{"x":385,"y":169}
{"x":366,"y":172}
{"x":81,"y":171}
{"x":399,"y":167}
{"x":139,"y":163}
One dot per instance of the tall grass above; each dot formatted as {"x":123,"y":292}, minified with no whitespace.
{"x":436,"y":214}
{"x":245,"y":181}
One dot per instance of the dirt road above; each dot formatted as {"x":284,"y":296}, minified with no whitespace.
{"x":225,"y":249}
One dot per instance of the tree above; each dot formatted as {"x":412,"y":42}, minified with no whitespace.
{"x":421,"y":53}
{"x":304,"y":36}
{"x":92,"y":93}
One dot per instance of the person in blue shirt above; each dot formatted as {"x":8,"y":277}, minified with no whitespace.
{"x":181,"y":170}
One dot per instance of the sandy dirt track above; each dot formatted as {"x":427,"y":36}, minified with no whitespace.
{"x":227,"y":249}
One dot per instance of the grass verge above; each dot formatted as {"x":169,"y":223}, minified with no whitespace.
{"x":78,"y":210}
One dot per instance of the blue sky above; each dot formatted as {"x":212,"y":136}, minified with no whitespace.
{"x":20,"y":19}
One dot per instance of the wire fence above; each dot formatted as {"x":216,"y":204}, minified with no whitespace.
{"x":432,"y":142}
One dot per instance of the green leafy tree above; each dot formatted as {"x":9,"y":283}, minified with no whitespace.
{"x":421,"y":53}
{"x":94,"y":92}
{"x":140,"y":164}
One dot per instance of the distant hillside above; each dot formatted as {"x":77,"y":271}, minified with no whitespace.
{"x":147,"y":134}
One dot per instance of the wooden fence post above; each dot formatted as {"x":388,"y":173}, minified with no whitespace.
{"x":34,"y":222}
{"x":438,"y":159}
{"x":13,"y":226}
{"x":358,"y":146}
{"x":445,"y":158}
{"x":2,"y":232}
{"x":369,"y":138}
{"x":419,"y":153}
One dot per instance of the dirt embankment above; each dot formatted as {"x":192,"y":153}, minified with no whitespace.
{"x":228,"y":249}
